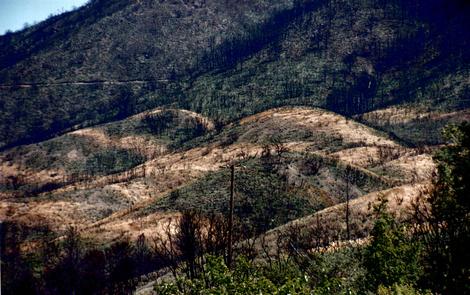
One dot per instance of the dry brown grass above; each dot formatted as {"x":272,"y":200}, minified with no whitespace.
{"x":168,"y":171}
{"x":403,"y":114}
{"x":69,"y":148}
{"x":319,"y":121}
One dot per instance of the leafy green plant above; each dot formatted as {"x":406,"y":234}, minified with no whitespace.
{"x":391,"y":257}
{"x":398,"y":289}
{"x":446,"y":224}
{"x":245,"y":278}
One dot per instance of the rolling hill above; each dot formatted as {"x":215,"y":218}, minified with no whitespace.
{"x":293,"y":162}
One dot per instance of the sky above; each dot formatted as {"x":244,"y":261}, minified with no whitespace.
{"x":15,"y":13}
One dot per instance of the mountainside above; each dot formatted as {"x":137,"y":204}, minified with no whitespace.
{"x":226,"y":60}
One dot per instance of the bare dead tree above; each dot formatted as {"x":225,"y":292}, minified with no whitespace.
{"x":348,"y":180}
{"x":165,"y":248}
{"x":230,"y":220}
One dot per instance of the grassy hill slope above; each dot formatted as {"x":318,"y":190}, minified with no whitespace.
{"x":291,"y":162}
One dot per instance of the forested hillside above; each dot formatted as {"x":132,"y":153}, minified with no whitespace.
{"x":226,"y":59}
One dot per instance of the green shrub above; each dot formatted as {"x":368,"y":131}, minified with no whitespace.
{"x":397,"y":289}
{"x":391,"y":257}
{"x":447,"y":236}
{"x":245,"y":278}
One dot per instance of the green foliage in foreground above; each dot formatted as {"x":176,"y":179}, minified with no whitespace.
{"x":400,"y":290}
{"x":391,"y":257}
{"x":284,"y":277}
{"x":244,"y":279}
{"x":448,"y":239}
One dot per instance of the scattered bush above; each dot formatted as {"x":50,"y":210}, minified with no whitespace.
{"x":391,"y":257}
